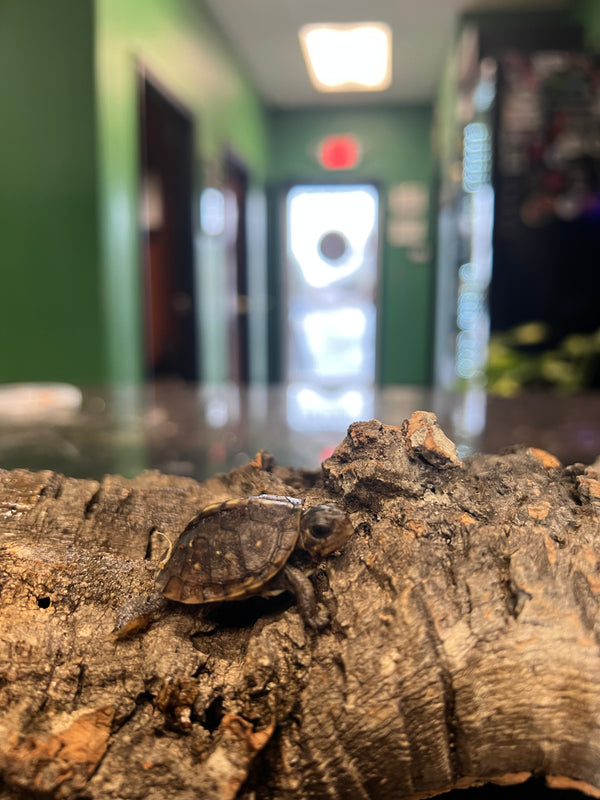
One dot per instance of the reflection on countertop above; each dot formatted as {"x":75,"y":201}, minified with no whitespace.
{"x":200,"y":430}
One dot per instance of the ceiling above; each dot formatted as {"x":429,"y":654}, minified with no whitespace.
{"x":265,"y":35}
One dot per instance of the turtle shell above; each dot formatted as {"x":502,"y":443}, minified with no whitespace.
{"x":232,"y":549}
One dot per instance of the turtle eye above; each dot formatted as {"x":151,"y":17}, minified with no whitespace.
{"x":320,"y":530}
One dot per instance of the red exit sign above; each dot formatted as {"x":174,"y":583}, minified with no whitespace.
{"x":339,"y":151}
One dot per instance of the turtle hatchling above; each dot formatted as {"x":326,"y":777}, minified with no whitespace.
{"x":260,"y":545}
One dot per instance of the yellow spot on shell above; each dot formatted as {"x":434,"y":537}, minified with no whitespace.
{"x":259,"y":543}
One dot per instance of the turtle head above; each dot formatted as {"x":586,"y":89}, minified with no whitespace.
{"x":323,"y":529}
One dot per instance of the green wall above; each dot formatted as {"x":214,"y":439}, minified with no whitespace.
{"x":177,"y":42}
{"x":69,"y":164}
{"x":397,"y":148}
{"x":50,"y":320}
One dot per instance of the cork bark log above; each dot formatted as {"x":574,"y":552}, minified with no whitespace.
{"x":464,"y":644}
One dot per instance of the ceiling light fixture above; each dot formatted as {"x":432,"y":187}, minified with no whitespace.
{"x":348,"y":57}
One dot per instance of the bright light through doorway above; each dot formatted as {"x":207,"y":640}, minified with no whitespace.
{"x":350,"y":211}
{"x":331,"y":285}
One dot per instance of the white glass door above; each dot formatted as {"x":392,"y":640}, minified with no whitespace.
{"x":330,"y":295}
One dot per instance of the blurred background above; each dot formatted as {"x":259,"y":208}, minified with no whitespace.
{"x":207,"y":249}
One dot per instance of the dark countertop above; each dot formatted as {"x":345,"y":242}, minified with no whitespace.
{"x":198,"y":431}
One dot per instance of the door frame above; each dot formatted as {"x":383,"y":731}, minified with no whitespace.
{"x":147,"y":80}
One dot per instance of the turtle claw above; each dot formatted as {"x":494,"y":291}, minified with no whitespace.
{"x":318,"y":622}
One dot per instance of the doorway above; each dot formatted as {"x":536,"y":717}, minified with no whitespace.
{"x":330,"y":301}
{"x":166,"y":147}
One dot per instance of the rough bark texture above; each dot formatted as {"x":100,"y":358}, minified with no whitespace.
{"x":464,"y":645}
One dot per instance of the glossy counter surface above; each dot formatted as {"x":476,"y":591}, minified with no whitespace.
{"x":197,"y":431}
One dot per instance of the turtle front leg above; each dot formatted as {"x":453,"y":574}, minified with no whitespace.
{"x":296,"y":582}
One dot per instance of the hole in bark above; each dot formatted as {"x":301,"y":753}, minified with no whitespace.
{"x":144,"y":697}
{"x":43,"y":602}
{"x":214,"y":714}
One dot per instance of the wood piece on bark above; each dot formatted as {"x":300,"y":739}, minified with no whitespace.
{"x":463,"y":649}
